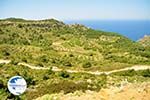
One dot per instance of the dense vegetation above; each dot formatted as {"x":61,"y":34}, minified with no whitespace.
{"x":48,"y":43}
{"x":52,"y":43}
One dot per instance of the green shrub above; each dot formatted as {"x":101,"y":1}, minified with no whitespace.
{"x":50,"y":71}
{"x":1,"y":65}
{"x":30,"y":80}
{"x":146,"y":73}
{"x":6,"y":53}
{"x":71,"y":55}
{"x":86,"y":65}
{"x":14,"y":62}
{"x":64,"y":74}
{"x":2,"y":84}
{"x":45,"y":77}
{"x":40,"y":64}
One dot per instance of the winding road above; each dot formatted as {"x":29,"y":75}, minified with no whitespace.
{"x":136,"y":68}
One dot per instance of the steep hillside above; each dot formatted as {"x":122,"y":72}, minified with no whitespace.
{"x":53,"y":43}
{"x":36,"y":50}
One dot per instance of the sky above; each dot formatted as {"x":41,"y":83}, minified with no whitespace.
{"x":76,"y":9}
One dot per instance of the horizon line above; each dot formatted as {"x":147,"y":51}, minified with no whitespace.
{"x":75,"y":19}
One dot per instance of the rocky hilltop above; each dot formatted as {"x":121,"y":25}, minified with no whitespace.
{"x":145,"y":41}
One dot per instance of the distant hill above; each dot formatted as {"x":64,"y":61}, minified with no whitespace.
{"x":13,"y":19}
{"x":53,"y":43}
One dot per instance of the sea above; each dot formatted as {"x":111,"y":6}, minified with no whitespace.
{"x":133,"y":29}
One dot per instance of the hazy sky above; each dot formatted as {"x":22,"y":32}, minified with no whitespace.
{"x":76,"y":9}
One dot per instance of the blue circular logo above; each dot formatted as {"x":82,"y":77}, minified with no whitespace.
{"x":17,"y":85}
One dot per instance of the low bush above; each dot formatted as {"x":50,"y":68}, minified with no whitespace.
{"x":86,"y":65}
{"x":146,"y":73}
{"x":64,"y":74}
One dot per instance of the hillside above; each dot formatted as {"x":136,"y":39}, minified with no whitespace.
{"x":128,"y":92}
{"x":53,"y":43}
{"x":145,"y":41}
{"x":38,"y":49}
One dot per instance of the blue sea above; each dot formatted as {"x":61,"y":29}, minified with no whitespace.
{"x":133,"y":29}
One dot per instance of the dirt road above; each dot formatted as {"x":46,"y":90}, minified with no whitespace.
{"x":136,"y":68}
